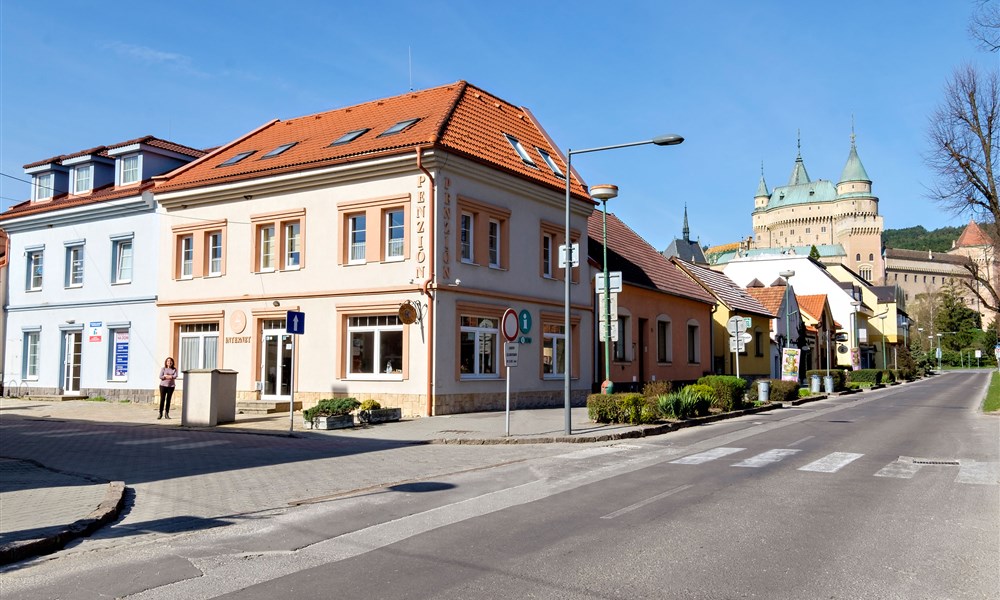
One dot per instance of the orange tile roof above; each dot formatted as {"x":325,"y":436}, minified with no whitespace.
{"x":973,"y":235}
{"x":640,"y":263}
{"x":770,"y":297}
{"x":459,"y":118}
{"x":812,"y":305}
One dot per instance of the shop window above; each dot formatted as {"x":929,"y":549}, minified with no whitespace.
{"x":375,"y":346}
{"x":479,"y":347}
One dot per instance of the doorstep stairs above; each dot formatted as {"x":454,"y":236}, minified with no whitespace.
{"x":263,"y":407}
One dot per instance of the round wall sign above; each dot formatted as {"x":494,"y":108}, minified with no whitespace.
{"x":407,"y":313}
{"x":524,"y":321}
{"x":238,"y":321}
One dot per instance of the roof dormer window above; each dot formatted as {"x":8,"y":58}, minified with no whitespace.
{"x":398,"y":127}
{"x":42,"y":190}
{"x":237,"y":158}
{"x":350,"y":136}
{"x":551,"y":163}
{"x":520,"y":150}
{"x":278,"y":150}
{"x":129,"y":169}
{"x":83,"y":179}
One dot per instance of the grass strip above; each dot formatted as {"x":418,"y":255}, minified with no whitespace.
{"x":992,"y":401}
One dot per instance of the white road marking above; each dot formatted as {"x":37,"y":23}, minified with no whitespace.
{"x":978,"y":473}
{"x":901,"y":468}
{"x":196,"y":445}
{"x":831,"y":463}
{"x":704,"y":457}
{"x":796,"y":443}
{"x":766,"y":458}
{"x":149,"y":441}
{"x":591,"y":452}
{"x":642,"y":503}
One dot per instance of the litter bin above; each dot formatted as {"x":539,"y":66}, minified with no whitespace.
{"x":763,"y":390}
{"x":209,"y":397}
{"x":828,"y":384}
{"x":814,"y":384}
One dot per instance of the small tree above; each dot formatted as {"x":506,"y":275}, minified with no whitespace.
{"x":814,"y":252}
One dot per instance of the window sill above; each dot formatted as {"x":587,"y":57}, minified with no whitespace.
{"x":30,"y":290}
{"x":122,"y":282}
{"x":295,"y":268}
{"x":73,"y":287}
{"x":213,"y":275}
{"x":394,"y":259}
{"x":473,"y":377}
{"x":373,"y":377}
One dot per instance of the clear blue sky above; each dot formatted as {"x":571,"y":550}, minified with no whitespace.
{"x":737,"y":79}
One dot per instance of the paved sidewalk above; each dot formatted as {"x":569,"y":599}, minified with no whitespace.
{"x":42,"y":509}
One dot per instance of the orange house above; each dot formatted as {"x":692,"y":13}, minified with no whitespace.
{"x":664,"y":319}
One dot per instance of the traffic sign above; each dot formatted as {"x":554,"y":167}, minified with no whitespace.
{"x":736,"y":344}
{"x":746,"y":337}
{"x":737,"y":325}
{"x":295,"y":322}
{"x":524,"y":320}
{"x":510,"y":354}
{"x":612,"y":310}
{"x":508,"y":325}
{"x":614,"y":279}
{"x":574,"y":258}
{"x":614,"y":330}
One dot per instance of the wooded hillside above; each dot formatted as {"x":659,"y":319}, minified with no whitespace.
{"x":918,"y":238}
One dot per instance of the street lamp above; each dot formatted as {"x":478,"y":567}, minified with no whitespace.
{"x":882,"y":317}
{"x":787,"y":275}
{"x":663,"y":140}
{"x":939,"y":350}
{"x":605,"y":192}
{"x":854,"y":326}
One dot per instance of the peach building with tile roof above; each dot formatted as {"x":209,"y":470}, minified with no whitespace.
{"x":447,"y":203}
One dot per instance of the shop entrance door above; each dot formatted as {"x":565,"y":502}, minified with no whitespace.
{"x":276,"y":361}
{"x":72,"y":355}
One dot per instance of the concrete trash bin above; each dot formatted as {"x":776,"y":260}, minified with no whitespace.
{"x":209,"y":397}
{"x":814,"y":384}
{"x":828,"y":384}
{"x":763,"y":390}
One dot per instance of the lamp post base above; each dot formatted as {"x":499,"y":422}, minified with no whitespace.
{"x":607,"y":387}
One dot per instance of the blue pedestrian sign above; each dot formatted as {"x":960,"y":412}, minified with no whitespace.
{"x":295,"y":322}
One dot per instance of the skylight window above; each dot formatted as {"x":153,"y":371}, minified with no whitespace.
{"x":350,"y":136}
{"x":402,"y":125}
{"x":237,"y":158}
{"x":278,"y":150}
{"x":520,"y":150}
{"x":552,"y":164}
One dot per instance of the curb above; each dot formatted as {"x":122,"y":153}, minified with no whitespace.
{"x":107,"y":511}
{"x":645,"y":431}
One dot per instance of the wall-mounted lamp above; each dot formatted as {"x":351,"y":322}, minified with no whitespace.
{"x":248,"y":197}
{"x":456,"y":283}
{"x":276,"y":304}
{"x":70,"y":321}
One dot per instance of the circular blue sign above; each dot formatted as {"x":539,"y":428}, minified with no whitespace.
{"x":524,"y":321}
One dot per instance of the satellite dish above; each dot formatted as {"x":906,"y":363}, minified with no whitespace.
{"x":842,"y":349}
{"x":407,"y":313}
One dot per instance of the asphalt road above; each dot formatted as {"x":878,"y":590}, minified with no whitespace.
{"x":887,"y":494}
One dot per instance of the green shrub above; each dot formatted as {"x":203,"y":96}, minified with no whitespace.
{"x":804,"y":392}
{"x":873,"y":376}
{"x":784,"y":391}
{"x":601,"y":408}
{"x":654,"y":389}
{"x":370,"y":405}
{"x":728,"y":389}
{"x":888,"y":376}
{"x":622,"y":408}
{"x":331,"y":407}
{"x":97,"y":399}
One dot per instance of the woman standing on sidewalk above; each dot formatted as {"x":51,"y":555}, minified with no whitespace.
{"x":167,"y":376}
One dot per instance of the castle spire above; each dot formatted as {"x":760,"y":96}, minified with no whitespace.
{"x":686,"y":231}
{"x":762,"y":186}
{"x":799,"y":174}
{"x":854,"y":170}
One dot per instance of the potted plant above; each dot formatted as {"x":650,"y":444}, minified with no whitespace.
{"x":331,"y":413}
{"x":372,"y":412}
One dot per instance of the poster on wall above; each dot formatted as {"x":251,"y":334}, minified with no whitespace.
{"x":855,"y":359}
{"x":790,"y":364}
{"x":121,"y":354}
{"x":95,"y":331}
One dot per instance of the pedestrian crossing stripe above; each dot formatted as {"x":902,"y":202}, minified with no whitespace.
{"x":766,"y":458}
{"x":831,"y":463}
{"x":706,"y":456}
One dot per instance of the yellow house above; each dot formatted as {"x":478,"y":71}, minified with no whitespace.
{"x":753,"y":360}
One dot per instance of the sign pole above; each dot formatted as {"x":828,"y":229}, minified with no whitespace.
{"x":291,"y":390}
{"x":507,"y":430}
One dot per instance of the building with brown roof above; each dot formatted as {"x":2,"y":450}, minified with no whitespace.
{"x":81,"y":310}
{"x":754,"y":360}
{"x":403,"y":228}
{"x":663,"y":321}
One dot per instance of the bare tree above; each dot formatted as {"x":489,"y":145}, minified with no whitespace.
{"x":985,"y":25}
{"x":964,"y":136}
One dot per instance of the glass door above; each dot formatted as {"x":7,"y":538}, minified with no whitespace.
{"x":276,"y":362}
{"x":72,"y":353}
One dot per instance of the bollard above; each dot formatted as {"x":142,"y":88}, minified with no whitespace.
{"x":763,"y":390}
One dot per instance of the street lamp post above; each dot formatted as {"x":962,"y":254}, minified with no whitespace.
{"x":856,"y":304}
{"x":663,"y":140}
{"x":939,"y":350}
{"x":882,"y":317}
{"x":605,"y":192}
{"x":787,"y":275}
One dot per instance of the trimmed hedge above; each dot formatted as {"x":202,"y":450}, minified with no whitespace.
{"x":622,"y":408}
{"x":331,"y":407}
{"x":729,"y":390}
{"x":784,"y":391}
{"x":873,"y":376}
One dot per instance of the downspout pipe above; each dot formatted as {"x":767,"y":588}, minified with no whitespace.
{"x":425,"y":287}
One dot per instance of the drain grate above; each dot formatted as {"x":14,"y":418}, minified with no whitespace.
{"x":934,"y":461}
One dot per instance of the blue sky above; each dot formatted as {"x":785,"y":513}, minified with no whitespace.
{"x":736,"y":79}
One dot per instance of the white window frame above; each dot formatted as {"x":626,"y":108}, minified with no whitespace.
{"x":395,"y":235}
{"x":120,"y":272}
{"x":187,"y":257}
{"x":487,"y":326}
{"x":267,"y":248}
{"x":83,"y":179}
{"x":215,"y":254}
{"x":466,"y":230}
{"x":494,"y":243}
{"x":553,"y":336}
{"x":113,"y":330}
{"x":292,"y":230}
{"x":35,"y":261}
{"x":74,"y":266}
{"x":547,"y":246}
{"x":43,"y":186}
{"x":357,"y":249}
{"x":521,"y":152}
{"x":202,"y":332}
{"x":31,"y":350}
{"x":375,"y":325}
{"x":130,"y":169}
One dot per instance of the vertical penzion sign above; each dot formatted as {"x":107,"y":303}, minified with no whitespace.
{"x":121,"y":354}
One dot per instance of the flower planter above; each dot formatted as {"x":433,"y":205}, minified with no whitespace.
{"x":380,"y":415}
{"x":334,"y":422}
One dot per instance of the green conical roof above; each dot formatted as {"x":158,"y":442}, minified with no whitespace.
{"x":799,"y":174}
{"x":762,"y":187}
{"x":854,"y":170}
